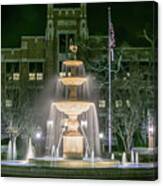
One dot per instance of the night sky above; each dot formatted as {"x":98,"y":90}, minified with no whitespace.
{"x":129,"y":20}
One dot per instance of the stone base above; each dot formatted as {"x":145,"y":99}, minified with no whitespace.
{"x":73,"y":147}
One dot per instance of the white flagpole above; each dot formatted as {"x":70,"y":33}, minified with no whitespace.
{"x":109,"y":86}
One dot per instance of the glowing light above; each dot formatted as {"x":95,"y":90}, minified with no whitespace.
{"x":69,"y":74}
{"x":62,"y":74}
{"x":84,"y":123}
{"x":128,"y":103}
{"x":151,"y":129}
{"x":101,"y":135}
{"x":128,"y":74}
{"x":49,"y":123}
{"x":38,"y":135}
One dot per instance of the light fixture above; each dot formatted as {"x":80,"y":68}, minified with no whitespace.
{"x":151,"y":129}
{"x":49,"y":124}
{"x":38,"y":135}
{"x":101,"y":135}
{"x":84,"y":123}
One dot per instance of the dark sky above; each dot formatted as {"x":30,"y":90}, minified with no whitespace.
{"x":129,"y":20}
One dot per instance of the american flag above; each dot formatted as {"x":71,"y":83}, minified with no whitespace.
{"x":111,"y":40}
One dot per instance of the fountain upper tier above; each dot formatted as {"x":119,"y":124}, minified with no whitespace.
{"x":74,"y":108}
{"x":73,"y":81}
{"x":73,"y":63}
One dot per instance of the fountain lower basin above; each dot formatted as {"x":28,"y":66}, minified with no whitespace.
{"x":72,"y":163}
{"x":73,"y":108}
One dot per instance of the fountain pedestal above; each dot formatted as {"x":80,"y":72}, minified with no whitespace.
{"x":73,"y":141}
{"x":73,"y":147}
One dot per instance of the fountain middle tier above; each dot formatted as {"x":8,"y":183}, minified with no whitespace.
{"x":73,"y":81}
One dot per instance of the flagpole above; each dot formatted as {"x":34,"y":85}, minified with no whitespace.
{"x":109,"y":85}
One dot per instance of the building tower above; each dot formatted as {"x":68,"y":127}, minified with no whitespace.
{"x":63,"y":25}
{"x":83,"y":22}
{"x":49,"y":37}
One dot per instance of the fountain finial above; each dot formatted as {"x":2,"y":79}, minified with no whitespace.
{"x":72,"y":47}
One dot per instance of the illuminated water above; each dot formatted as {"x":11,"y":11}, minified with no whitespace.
{"x":132,"y":157}
{"x":9,"y":151}
{"x":124,"y":158}
{"x":14,"y":149}
{"x":30,"y":151}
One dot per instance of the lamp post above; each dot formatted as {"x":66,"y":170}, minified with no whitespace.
{"x":109,"y":85}
{"x":38,"y":137}
{"x":101,"y":136}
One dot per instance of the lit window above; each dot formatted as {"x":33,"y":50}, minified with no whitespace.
{"x":102,"y":103}
{"x":69,"y":73}
{"x":8,"y":103}
{"x":24,"y":44}
{"x":128,"y":103}
{"x":9,"y":77}
{"x":39,"y":76}
{"x":32,"y":76}
{"x":118,"y":103}
{"x":62,"y":74}
{"x":16,"y":76}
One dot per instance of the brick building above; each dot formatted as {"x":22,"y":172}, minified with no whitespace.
{"x":27,"y":68}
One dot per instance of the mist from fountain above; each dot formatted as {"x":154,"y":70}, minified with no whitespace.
{"x":54,"y":128}
{"x":92,"y":131}
{"x":124,"y":158}
{"x":53,"y":151}
{"x":9,"y":151}
{"x":30,"y":151}
{"x":112,"y":156}
{"x":83,"y":91}
{"x":137,"y":158}
{"x":14,"y":149}
{"x":132,"y":156}
{"x":92,"y":156}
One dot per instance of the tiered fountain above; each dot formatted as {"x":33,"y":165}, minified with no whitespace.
{"x":72,"y":127}
{"x":73,"y":114}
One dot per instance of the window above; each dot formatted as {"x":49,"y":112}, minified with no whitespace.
{"x":70,"y":38}
{"x":118,"y":103}
{"x":8,"y":103}
{"x":36,"y":71}
{"x":16,"y":76}
{"x":12,"y":97}
{"x":39,"y":76}
{"x":24,"y":44}
{"x":64,"y":42}
{"x":102,"y":103}
{"x":12,"y":71}
{"x":128,"y":103}
{"x":32,"y":76}
{"x":62,"y":74}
